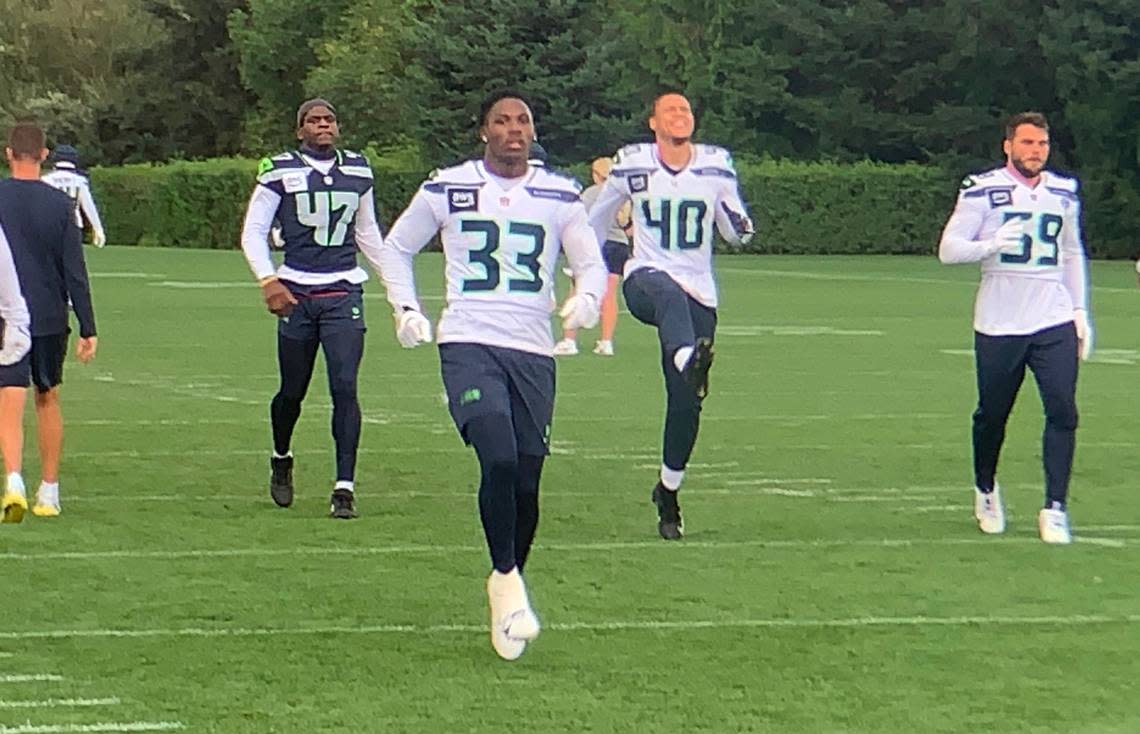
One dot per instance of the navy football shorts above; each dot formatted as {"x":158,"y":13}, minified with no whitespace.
{"x":484,"y":380}
{"x":323,"y":309}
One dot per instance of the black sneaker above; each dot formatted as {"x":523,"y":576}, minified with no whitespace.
{"x":343,"y":505}
{"x":696,"y":372}
{"x":669,"y":522}
{"x":281,"y":480}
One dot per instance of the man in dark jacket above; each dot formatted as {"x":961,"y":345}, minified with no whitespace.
{"x":39,"y":224}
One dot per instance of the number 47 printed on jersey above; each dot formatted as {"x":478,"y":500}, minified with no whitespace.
{"x":329,"y":213}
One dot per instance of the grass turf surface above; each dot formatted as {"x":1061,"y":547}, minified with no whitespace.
{"x":832,"y":578}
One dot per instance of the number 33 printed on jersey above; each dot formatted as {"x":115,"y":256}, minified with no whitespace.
{"x":518,"y":250}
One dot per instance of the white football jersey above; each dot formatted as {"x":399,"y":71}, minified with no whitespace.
{"x":75,"y":185}
{"x":501,"y":247}
{"x":1038,"y":287}
{"x":673,"y":212}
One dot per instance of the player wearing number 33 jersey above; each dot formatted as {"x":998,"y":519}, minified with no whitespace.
{"x":503,"y":223}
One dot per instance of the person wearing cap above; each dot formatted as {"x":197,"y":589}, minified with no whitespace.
{"x":322,"y":197}
{"x":69,"y":178}
{"x":46,"y":246}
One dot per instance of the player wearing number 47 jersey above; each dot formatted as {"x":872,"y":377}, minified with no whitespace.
{"x":323,"y":199}
{"x":680,"y":191}
{"x":1023,"y":224}
{"x":503,"y":223}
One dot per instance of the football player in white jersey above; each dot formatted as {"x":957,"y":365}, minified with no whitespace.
{"x":1022,"y":223}
{"x":503,"y":223}
{"x":679,"y":191}
{"x":70,"y":179}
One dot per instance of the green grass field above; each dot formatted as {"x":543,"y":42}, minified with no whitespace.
{"x":832,"y":579}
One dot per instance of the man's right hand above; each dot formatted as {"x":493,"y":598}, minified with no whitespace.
{"x":278,"y":299}
{"x":1007,"y":238}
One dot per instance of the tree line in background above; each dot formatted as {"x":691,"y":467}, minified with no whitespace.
{"x":884,"y":80}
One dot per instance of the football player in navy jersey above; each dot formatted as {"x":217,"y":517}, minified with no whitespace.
{"x":322,"y":197}
{"x":503,"y":222}
{"x":1023,"y":224}
{"x":680,"y":192}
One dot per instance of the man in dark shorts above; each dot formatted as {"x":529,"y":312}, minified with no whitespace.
{"x":46,"y":245}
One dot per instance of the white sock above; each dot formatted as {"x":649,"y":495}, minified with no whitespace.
{"x":671,"y":478}
{"x":287,"y":455}
{"x":16,"y":483}
{"x":681,"y":357}
{"x":49,"y":487}
{"x":343,"y":484}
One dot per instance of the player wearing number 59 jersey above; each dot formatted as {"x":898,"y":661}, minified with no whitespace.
{"x":1023,"y":224}
{"x":503,"y":223}
{"x":322,"y":197}
{"x":680,"y":192}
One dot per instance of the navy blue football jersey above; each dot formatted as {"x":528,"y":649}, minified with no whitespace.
{"x":317,"y":211}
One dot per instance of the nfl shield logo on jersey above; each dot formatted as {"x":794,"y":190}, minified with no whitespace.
{"x":459,"y":200}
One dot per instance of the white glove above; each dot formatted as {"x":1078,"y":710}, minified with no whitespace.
{"x":15,"y":344}
{"x":100,"y":238}
{"x":579,"y":312}
{"x":1007,"y":238}
{"x":412,"y":329}
{"x":1085,"y":335}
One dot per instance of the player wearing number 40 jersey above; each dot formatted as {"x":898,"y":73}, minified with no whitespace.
{"x":323,"y":199}
{"x":680,"y":192}
{"x":503,"y":223}
{"x":1023,"y":224}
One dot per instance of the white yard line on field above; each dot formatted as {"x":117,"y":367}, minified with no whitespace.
{"x":117,"y":726}
{"x":603,"y":546}
{"x":591,"y":626}
{"x":60,"y":703}
{"x":30,"y":678}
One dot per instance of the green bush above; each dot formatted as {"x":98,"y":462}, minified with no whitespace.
{"x":820,"y":208}
{"x":856,"y":208}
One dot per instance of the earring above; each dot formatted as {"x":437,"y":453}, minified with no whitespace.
{"x":484,"y":138}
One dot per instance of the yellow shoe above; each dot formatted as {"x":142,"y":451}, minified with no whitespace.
{"x":47,"y":502}
{"x":14,"y":506}
{"x":42,"y":510}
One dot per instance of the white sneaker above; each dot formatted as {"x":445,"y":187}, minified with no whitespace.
{"x":988,"y":511}
{"x":566,"y":348}
{"x":513,"y":622}
{"x":47,"y":502}
{"x":604,"y":347}
{"x":1054,"y":526}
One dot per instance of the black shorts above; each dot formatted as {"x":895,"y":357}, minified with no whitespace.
{"x":485,"y":380}
{"x":323,"y":309}
{"x":615,"y":254}
{"x":42,"y":366}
